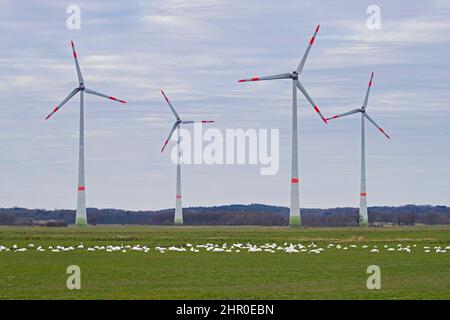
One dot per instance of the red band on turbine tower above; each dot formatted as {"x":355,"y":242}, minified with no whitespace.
{"x":81,"y":188}
{"x":178,"y":197}
{"x":294,"y":180}
{"x":363,"y":194}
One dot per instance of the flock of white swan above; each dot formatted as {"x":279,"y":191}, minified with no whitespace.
{"x":270,"y":248}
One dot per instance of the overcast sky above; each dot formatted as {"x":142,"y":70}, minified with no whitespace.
{"x":197,"y":50}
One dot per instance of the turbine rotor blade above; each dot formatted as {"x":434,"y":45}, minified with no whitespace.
{"x":202,"y":121}
{"x":175,"y":125}
{"x":274,"y":77}
{"x":305,"y":93}
{"x":344,"y":114}
{"x":170,"y":105}
{"x":374,"y":123}
{"x":74,"y":92}
{"x":80,"y":76}
{"x":366,"y":98}
{"x":302,"y":62}
{"x":95,"y":93}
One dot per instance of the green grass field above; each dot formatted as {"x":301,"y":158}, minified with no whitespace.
{"x":333,"y":274}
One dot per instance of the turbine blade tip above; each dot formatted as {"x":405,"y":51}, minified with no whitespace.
{"x":318,"y":27}
{"x":251,"y":79}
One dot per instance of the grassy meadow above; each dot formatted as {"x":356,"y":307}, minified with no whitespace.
{"x":332,"y":274}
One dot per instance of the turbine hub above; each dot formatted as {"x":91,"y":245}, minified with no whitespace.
{"x":294,"y":75}
{"x":81,"y":87}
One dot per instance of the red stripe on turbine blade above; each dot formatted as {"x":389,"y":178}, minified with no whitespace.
{"x":382,"y":131}
{"x":54,"y":110}
{"x":165,"y":144}
{"x":318,"y":111}
{"x":335,"y":117}
{"x":81,"y":188}
{"x":311,"y":41}
{"x":294,"y":180}
{"x":363,"y":194}
{"x":251,"y":79}
{"x":207,"y":121}
{"x":73,"y":49}
{"x":118,"y":100}
{"x":318,"y":27}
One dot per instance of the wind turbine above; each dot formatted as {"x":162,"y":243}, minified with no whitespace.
{"x":294,"y":214}
{"x":363,"y":216}
{"x":178,"y":219}
{"x":81,"y":217}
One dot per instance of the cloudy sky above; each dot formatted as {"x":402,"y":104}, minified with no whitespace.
{"x":196,"y":50}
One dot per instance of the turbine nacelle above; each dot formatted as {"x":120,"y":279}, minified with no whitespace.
{"x":178,"y":122}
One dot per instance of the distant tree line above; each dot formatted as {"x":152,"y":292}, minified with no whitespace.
{"x":254,"y":214}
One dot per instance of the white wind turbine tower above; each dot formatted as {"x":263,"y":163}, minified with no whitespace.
{"x":363,"y":216}
{"x":81,"y":217}
{"x":294,"y":214}
{"x":178,"y":218}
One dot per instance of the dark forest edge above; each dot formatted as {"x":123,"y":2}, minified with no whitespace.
{"x":253,"y":214}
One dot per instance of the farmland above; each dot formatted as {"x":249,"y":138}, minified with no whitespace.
{"x":338,"y":271}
